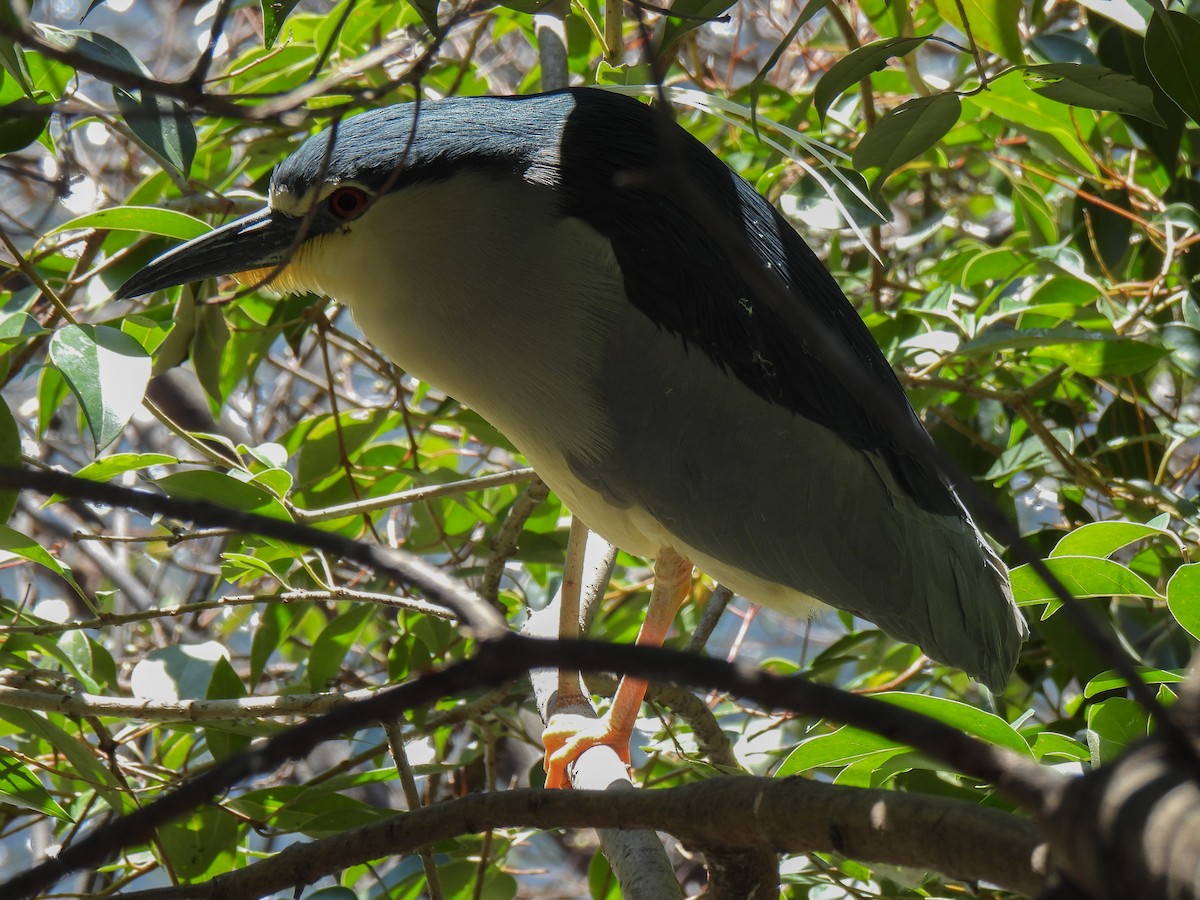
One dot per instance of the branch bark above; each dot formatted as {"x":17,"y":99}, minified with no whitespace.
{"x":961,"y":840}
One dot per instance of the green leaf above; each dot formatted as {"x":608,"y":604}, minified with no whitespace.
{"x":224,"y":489}
{"x":1111,"y":681}
{"x":119,"y":463}
{"x":1113,"y":725}
{"x":1029,"y":453}
{"x":209,"y":340}
{"x":857,"y":65}
{"x":21,"y":123}
{"x":225,"y":684}
{"x":21,"y":788}
{"x":107,"y":371}
{"x":1083,"y":576}
{"x":14,"y":545}
{"x":697,"y":13}
{"x":905,"y":133}
{"x":274,"y":12}
{"x":1173,"y":54}
{"x":1183,"y":342}
{"x":84,"y":768}
{"x":93,"y":46}
{"x":1051,"y":744}
{"x":1010,"y":98}
{"x":201,"y":844}
{"x":428,"y":11}
{"x":963,"y":716}
{"x":18,"y":327}
{"x":12,"y":57}
{"x":276,"y":622}
{"x":840,"y":748}
{"x":1093,"y":87}
{"x":142,"y":219}
{"x":993,"y":24}
{"x":1183,"y":598}
{"x":1102,"y":539}
{"x":10,"y":456}
{"x":161,"y":127}
{"x":1113,"y":355}
{"x":333,"y":643}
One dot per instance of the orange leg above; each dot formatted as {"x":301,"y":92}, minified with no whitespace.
{"x":567,"y":736}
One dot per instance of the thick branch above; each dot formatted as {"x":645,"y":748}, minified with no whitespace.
{"x":961,"y":840}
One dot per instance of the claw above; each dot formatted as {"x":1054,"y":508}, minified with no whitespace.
{"x":568,"y":736}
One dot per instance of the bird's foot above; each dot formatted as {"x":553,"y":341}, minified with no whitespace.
{"x":568,"y":735}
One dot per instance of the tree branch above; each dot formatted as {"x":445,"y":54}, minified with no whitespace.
{"x":961,"y":840}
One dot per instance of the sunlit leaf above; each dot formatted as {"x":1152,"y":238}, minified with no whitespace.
{"x":21,"y":788}
{"x":905,"y":133}
{"x":1094,"y":87}
{"x":107,"y":371}
{"x":14,"y":545}
{"x":993,"y":24}
{"x":857,"y":65}
{"x":1111,"y":681}
{"x":1083,"y":576}
{"x":1183,"y":597}
{"x":143,"y":219}
{"x":1102,"y":539}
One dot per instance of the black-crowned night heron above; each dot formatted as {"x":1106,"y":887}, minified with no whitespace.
{"x":516,"y":253}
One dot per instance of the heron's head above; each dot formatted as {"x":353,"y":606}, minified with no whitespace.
{"x":356,"y":179}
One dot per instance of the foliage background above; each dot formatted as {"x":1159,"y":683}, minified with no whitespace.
{"x":1033,"y":277}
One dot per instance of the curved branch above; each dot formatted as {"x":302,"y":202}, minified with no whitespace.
{"x":961,"y":840}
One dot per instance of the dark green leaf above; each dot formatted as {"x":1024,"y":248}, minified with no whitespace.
{"x":107,"y":371}
{"x":857,"y":65}
{"x":1173,"y":56}
{"x":208,"y":346}
{"x":1093,"y":87}
{"x":201,"y":844}
{"x":333,"y":643}
{"x":224,"y":685}
{"x":696,"y":13}
{"x":1124,"y":51}
{"x":21,"y":123}
{"x":91,"y":6}
{"x":428,"y":11}
{"x":225,"y":489}
{"x":1183,"y":341}
{"x":905,"y":133}
{"x":93,"y":46}
{"x":10,"y":455}
{"x":274,"y":12}
{"x":161,"y":125}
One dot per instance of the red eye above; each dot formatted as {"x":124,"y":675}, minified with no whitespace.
{"x":348,"y":202}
